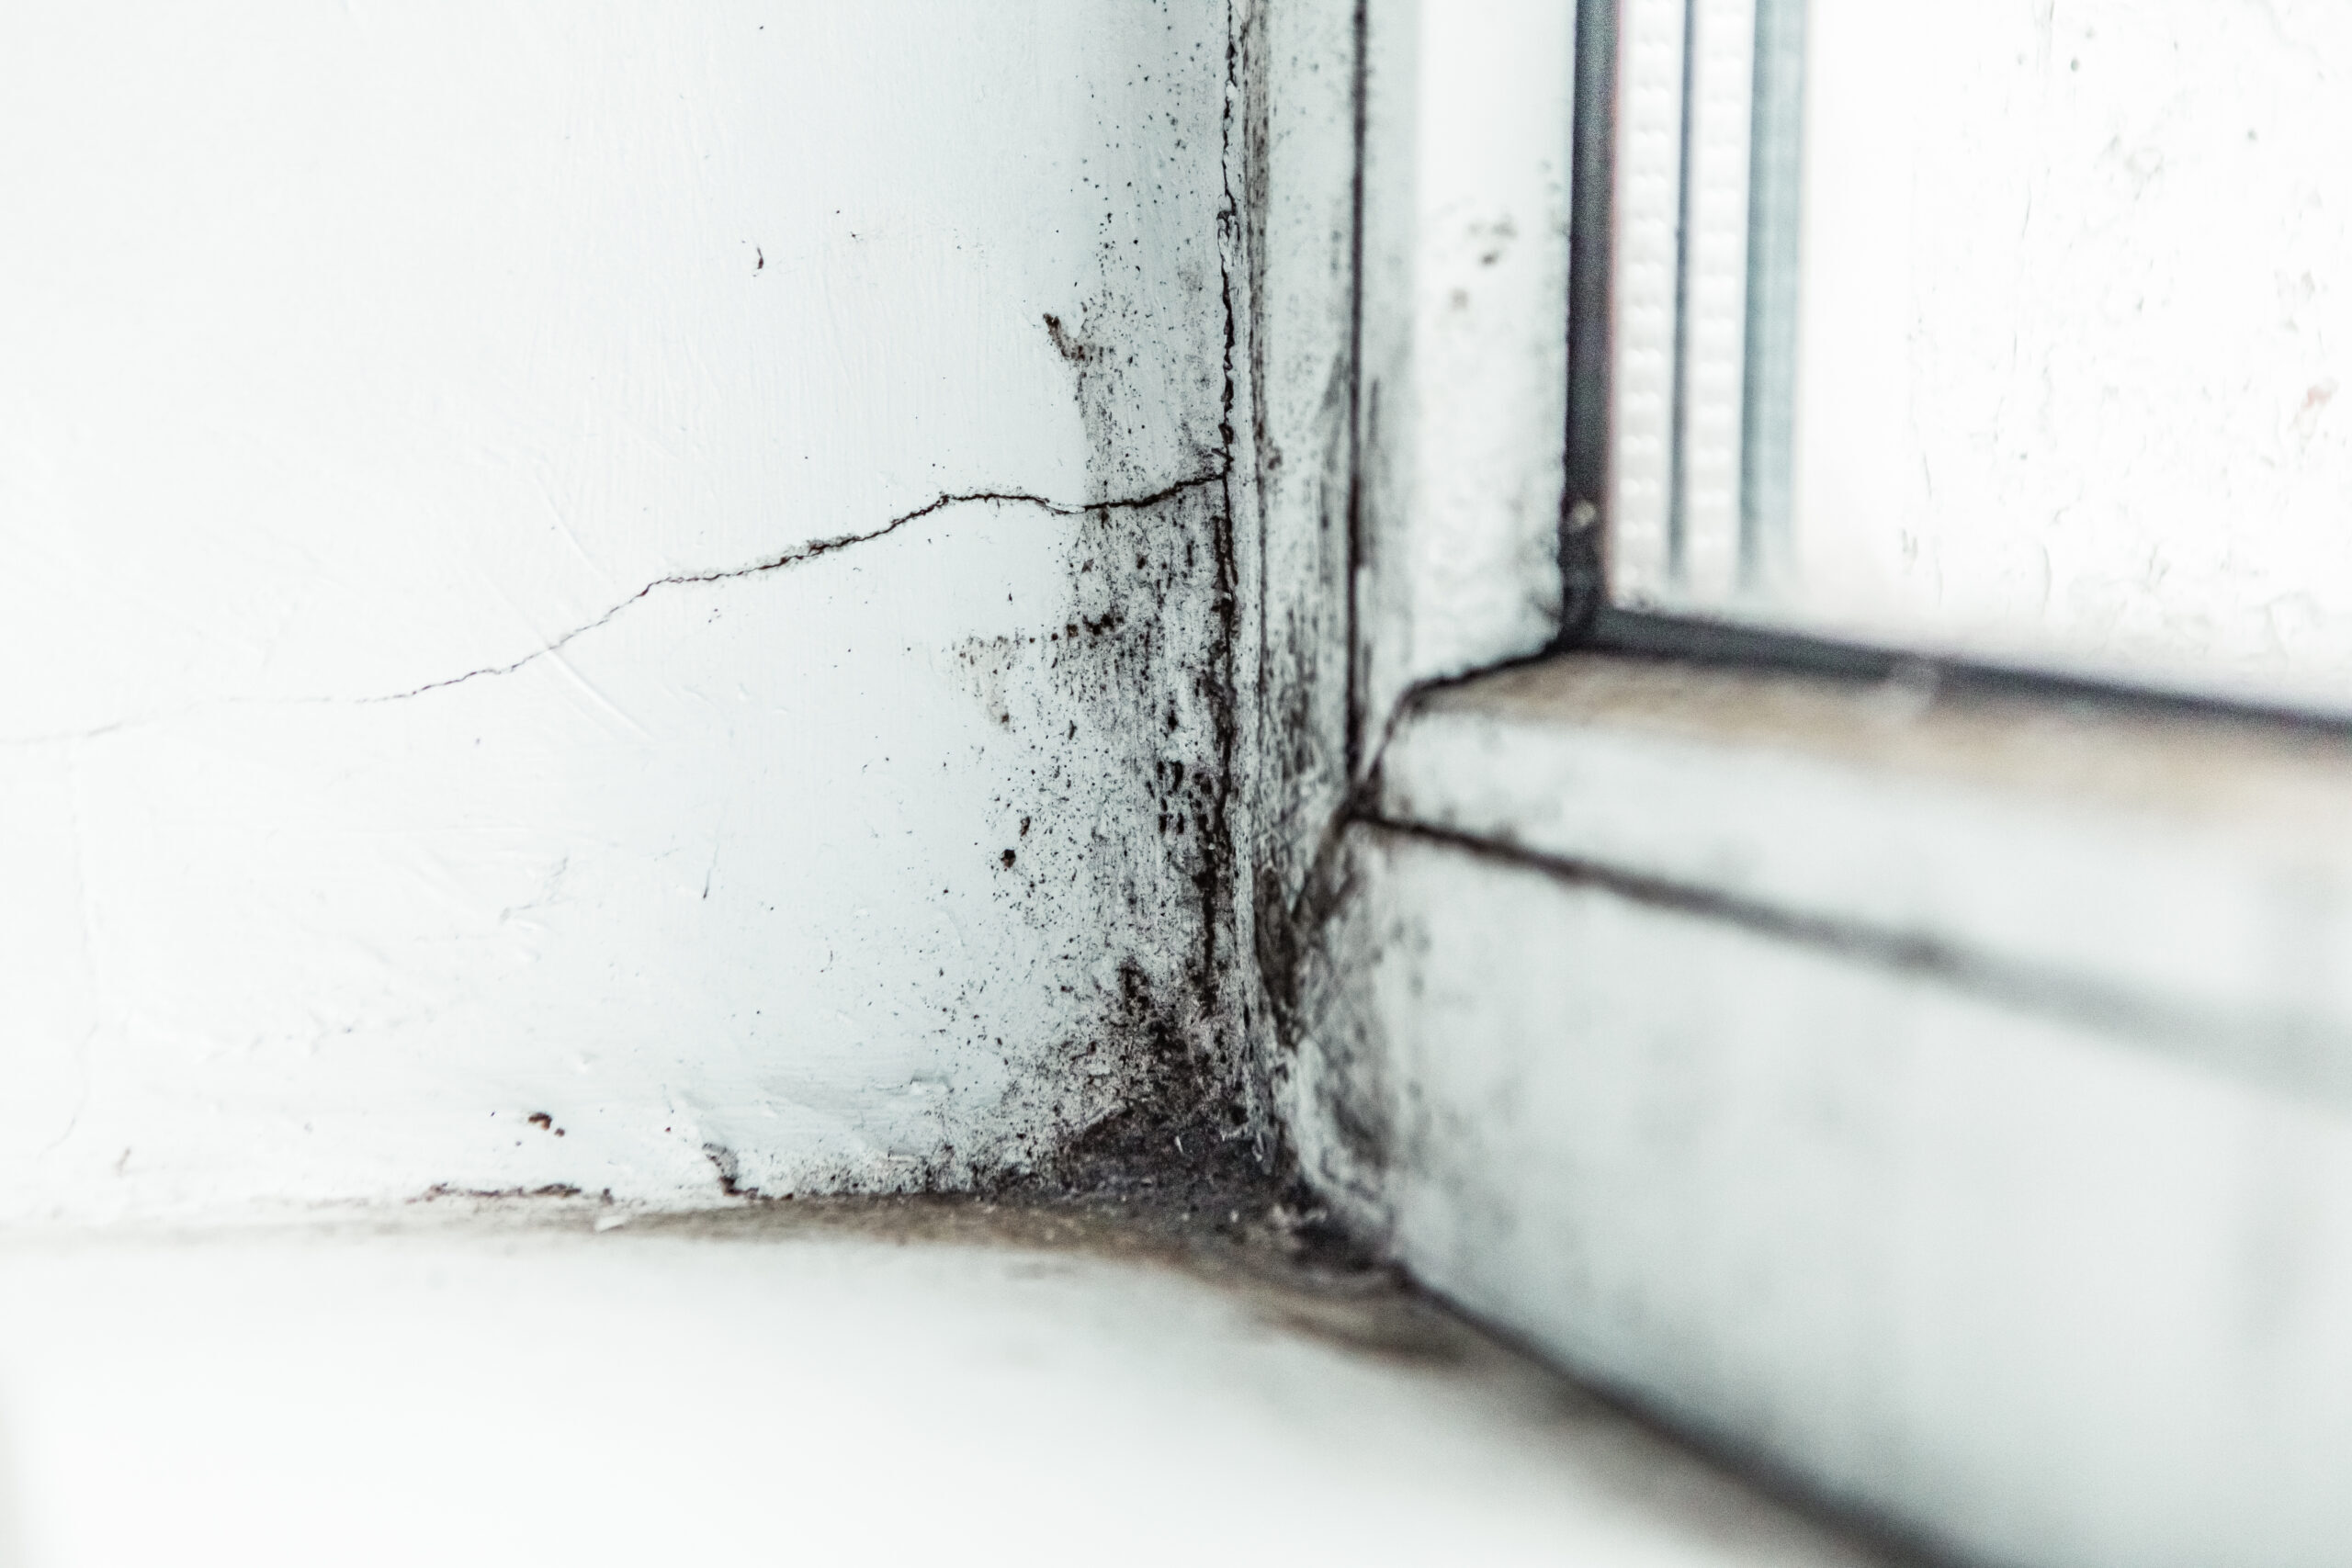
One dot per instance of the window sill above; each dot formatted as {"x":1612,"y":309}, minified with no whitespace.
{"x":1932,"y":1096}
{"x":2181,"y":876}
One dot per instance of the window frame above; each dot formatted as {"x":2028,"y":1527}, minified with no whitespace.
{"x":1497,"y":787}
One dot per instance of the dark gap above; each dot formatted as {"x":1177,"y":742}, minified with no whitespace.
{"x":1355,"y":404}
{"x":1721,"y":644}
{"x":1583,"y":569}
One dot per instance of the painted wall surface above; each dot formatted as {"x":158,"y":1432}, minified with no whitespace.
{"x":602,"y":595}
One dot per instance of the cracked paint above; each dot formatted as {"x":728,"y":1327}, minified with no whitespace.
{"x":795,"y":557}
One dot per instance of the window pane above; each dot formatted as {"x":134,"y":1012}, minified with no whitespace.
{"x":2047,"y":310}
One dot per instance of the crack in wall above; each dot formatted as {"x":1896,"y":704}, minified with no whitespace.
{"x":1217,"y":869}
{"x":810,"y":551}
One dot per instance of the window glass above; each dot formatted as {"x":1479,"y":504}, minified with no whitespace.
{"x":2015,"y":329}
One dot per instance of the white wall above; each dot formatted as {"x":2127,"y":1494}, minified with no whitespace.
{"x":428,"y":695}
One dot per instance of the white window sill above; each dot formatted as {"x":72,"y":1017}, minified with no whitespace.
{"x":2182,"y":877}
{"x":1937,"y":1096}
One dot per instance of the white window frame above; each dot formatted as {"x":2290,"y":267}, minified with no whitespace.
{"x":1927,"y":1083}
